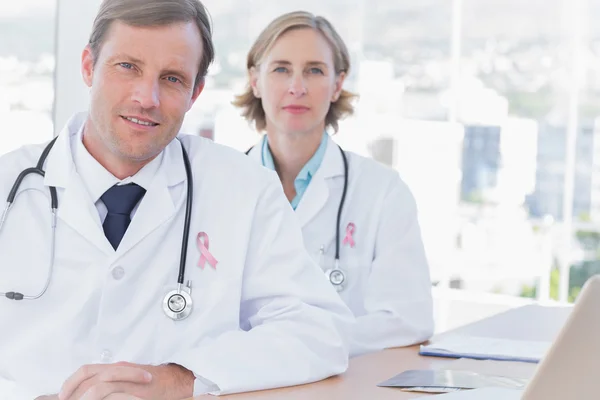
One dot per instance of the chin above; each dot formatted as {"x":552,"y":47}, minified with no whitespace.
{"x":297,"y":129}
{"x":138,"y":152}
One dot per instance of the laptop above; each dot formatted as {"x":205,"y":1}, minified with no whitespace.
{"x":569,"y":370}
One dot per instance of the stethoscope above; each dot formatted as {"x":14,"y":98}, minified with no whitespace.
{"x":335,"y":275}
{"x":177,"y":303}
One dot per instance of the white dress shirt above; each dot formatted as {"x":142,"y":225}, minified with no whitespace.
{"x":97,"y":180}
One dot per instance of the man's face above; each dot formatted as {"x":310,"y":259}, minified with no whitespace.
{"x":141,"y":86}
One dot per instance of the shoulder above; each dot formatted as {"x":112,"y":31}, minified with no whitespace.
{"x":377,"y":177}
{"x":12,"y":163}
{"x":225,"y":163}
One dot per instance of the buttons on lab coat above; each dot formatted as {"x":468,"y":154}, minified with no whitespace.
{"x":106,"y":356}
{"x":118,"y":273}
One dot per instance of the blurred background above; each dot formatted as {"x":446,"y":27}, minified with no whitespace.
{"x":487,"y":108}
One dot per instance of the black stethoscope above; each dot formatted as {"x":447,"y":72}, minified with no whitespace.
{"x":177,"y":304}
{"x":335,"y":275}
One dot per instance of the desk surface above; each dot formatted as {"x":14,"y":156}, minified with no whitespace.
{"x":364,"y":373}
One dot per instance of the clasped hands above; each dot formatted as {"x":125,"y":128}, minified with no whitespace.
{"x":126,"y":381}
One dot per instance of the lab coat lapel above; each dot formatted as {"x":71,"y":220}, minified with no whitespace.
{"x":157,"y":205}
{"x":75,"y":207}
{"x":77,"y":210}
{"x":318,"y":192}
{"x":256,"y":151}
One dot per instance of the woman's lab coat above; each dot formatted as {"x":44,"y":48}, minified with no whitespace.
{"x":388,"y":283}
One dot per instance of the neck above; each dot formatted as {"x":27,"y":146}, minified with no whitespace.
{"x":291,"y":152}
{"x":117,"y":166}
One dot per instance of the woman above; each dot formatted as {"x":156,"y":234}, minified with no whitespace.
{"x":359,"y":219}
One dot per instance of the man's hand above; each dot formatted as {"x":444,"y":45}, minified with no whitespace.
{"x":128,"y":381}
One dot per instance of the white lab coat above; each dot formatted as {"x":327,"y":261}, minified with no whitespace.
{"x":388,"y":282}
{"x":264,"y":318}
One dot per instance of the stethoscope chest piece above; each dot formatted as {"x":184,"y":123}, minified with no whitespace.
{"x":337,"y":278}
{"x":178,"y":303}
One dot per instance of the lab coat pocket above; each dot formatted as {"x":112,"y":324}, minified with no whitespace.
{"x":215,"y":309}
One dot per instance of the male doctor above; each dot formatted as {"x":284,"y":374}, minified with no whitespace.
{"x":263,"y":315}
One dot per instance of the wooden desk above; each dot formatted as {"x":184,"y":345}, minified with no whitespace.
{"x":364,"y":373}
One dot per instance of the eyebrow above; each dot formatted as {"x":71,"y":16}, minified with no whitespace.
{"x":126,"y":58}
{"x":284,"y":62}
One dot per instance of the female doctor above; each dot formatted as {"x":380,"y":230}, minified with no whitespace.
{"x":359,"y":219}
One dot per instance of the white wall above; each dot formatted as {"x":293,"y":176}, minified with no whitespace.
{"x":74,"y":23}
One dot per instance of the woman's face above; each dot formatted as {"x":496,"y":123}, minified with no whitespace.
{"x":297,"y":82}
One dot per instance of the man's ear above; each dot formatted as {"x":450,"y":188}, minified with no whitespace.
{"x":87,"y":65}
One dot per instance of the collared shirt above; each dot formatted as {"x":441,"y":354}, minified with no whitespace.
{"x":97,"y":180}
{"x":306,"y":173}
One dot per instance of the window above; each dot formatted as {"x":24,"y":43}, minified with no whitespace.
{"x":27,"y":31}
{"x":469,"y":100}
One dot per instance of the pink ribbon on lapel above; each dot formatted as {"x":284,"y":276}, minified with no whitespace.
{"x":205,"y":255}
{"x":349,"y":232}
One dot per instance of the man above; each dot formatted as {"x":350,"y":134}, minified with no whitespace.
{"x":108,"y":326}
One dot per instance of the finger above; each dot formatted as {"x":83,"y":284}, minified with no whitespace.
{"x":122,"y":396}
{"x":111,"y":390}
{"x":103,"y":373}
{"x":81,"y":375}
{"x":102,"y":391}
{"x":125,"y":374}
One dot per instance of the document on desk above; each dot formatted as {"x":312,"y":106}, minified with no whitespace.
{"x":509,"y":369}
{"x":479,"y":394}
{"x":483,"y":348}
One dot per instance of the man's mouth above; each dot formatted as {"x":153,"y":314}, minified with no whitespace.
{"x":140,"y":122}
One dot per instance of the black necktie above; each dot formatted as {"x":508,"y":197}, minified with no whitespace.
{"x":120,"y":202}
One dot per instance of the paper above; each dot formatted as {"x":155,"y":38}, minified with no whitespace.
{"x":487,"y":348}
{"x":479,"y":394}
{"x":509,"y":369}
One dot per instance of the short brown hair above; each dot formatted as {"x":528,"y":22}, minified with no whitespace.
{"x":154,"y":13}
{"x":251,"y":106}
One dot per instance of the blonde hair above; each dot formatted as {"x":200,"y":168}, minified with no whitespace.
{"x":252,"y":109}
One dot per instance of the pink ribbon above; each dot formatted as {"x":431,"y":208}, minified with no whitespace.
{"x":349,"y":232}
{"x":205,"y":255}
